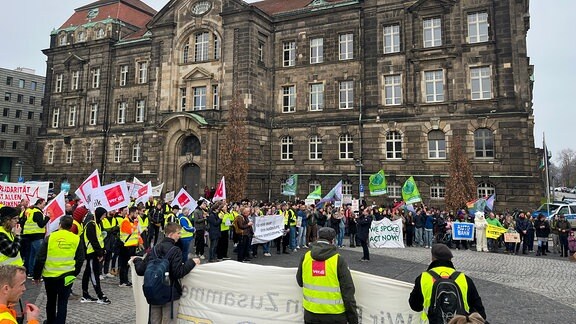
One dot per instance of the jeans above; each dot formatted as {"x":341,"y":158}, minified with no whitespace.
{"x":30,"y":259}
{"x":419,"y":235}
{"x":213,"y":248}
{"x":292,"y":238}
{"x":56,"y":300}
{"x":301,"y":239}
{"x":186,"y":247}
{"x":428,"y":237}
{"x":340,"y":236}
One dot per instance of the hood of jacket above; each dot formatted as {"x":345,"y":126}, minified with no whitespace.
{"x":322,"y":250}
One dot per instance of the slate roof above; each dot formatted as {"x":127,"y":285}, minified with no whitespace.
{"x":274,"y":7}
{"x":133,"y":12}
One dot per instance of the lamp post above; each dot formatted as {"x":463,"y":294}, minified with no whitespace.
{"x":359,"y":165}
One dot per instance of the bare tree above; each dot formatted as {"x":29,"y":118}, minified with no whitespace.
{"x":460,"y":186}
{"x":567,"y":167}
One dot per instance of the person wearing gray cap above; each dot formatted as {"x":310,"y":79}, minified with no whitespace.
{"x":425,"y":292}
{"x":326,"y":283}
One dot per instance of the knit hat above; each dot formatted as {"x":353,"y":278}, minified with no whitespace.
{"x":7,"y":212}
{"x":99,"y":212}
{"x":441,"y":252}
{"x":326,"y":233}
{"x":79,"y":213}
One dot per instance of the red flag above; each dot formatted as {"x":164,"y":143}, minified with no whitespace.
{"x":114,"y":195}
{"x":183,"y":199}
{"x":87,"y":187}
{"x":220,"y":193}
{"x":56,"y":207}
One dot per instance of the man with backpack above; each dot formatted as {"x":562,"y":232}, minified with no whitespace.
{"x":162,"y":269}
{"x":439,"y":291}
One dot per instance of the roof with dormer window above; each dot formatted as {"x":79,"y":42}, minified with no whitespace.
{"x":277,"y":7}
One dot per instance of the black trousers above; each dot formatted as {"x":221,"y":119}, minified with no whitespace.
{"x":92,"y":274}
{"x":244,"y":248}
{"x":365,"y":250}
{"x":125,"y":253}
{"x":56,"y":300}
{"x":222,"y":249}
{"x":199,"y":242}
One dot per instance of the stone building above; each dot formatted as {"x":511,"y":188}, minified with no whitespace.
{"x":335,"y":90}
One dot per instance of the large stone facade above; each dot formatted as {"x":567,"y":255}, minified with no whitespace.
{"x":334,"y":89}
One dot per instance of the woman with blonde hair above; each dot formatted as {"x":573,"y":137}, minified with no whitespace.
{"x":473,"y":318}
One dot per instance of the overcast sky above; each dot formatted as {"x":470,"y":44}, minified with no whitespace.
{"x":26,"y":25}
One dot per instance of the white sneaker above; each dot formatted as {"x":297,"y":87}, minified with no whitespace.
{"x":109,"y":275}
{"x":267,"y":254}
{"x":102,"y":277}
{"x":202,"y":257}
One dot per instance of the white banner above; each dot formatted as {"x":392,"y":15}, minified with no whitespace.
{"x":386,"y":234}
{"x":143,"y":193}
{"x":169,"y":196}
{"x":157,"y":191}
{"x":235,"y":292}
{"x":11,"y":193}
{"x":183,"y":199}
{"x":111,"y":197}
{"x":267,"y":228}
{"x":84,"y":191}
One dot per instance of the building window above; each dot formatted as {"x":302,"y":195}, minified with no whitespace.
{"x":89,"y":154}
{"x":2,"y":144}
{"x":21,"y":83}
{"x":434,"y":81}
{"x":261,"y":52}
{"x":142,"y":72}
{"x":480,"y":83}
{"x":477,"y":27}
{"x":182,"y":99}
{"x":346,"y":46}
{"x":315,"y":148}
{"x":58,"y":86}
{"x":9,"y":80}
{"x":121,"y":113}
{"x":185,"y":53}
{"x":18,"y":113}
{"x":72,"y":116}
{"x":437,"y":191}
{"x":123,"y":75}
{"x":30,"y":115}
{"x":56,"y":118}
{"x":436,"y":145}
{"x":4,"y":127}
{"x":6,"y":112}
{"x":393,"y":145}
{"x":289,"y":99}
{"x":20,"y":98}
{"x":96,"y":78}
{"x":201,"y":47}
{"x":81,"y":37}
{"x":391,"y":39}
{"x":393,"y":90}
{"x":100,"y":33}
{"x":346,"y":187}
{"x":16,"y":129}
{"x":117,"y":152}
{"x":75,"y":80}
{"x":217,"y":47}
{"x":31,"y":100}
{"x":33,"y":85}
{"x":484,"y":143}
{"x":7,"y":96}
{"x":216,"y":97}
{"x":313,"y":184}
{"x":69,"y":155}
{"x":199,"y":98}
{"x":485,"y":190}
{"x":62,"y":40}
{"x":346,"y":94}
{"x":289,"y":54}
{"x":316,"y":50}
{"x":15,"y":145}
{"x":316,"y":96}
{"x":286,"y":148}
{"x":26,"y":146}
{"x":28,"y":130}
{"x":346,"y":147}
{"x":50,"y":156}
{"x":93,"y":114}
{"x":140,"y":110}
{"x":432,"y":32}
{"x":136,"y":153}
{"x":394,"y":190}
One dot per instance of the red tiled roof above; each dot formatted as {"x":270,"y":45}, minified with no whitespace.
{"x":273,"y":7}
{"x":133,"y":12}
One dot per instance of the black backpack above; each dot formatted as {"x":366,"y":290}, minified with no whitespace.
{"x":157,"y":286}
{"x":446,"y":300}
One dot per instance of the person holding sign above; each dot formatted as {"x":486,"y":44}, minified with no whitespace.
{"x":492,"y":242}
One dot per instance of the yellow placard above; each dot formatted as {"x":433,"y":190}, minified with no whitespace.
{"x":494,"y":232}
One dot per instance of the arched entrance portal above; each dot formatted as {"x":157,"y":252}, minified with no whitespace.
{"x":191,"y":178}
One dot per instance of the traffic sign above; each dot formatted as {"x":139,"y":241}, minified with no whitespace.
{"x":21,"y":179}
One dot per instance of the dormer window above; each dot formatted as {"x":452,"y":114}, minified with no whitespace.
{"x":81,"y":37}
{"x":100,"y":33}
{"x":62,"y":40}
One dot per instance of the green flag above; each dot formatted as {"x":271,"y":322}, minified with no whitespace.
{"x":290,"y":186}
{"x":378,"y":184}
{"x":316,"y":194}
{"x":410,"y":193}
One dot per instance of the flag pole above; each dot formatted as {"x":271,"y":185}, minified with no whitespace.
{"x":547,"y":173}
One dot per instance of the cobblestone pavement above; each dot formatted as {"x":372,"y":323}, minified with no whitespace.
{"x":515,"y":289}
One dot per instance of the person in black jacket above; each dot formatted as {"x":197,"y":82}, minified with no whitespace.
{"x":95,"y":251}
{"x":364,"y":223}
{"x":542,"y":228}
{"x":178,"y":269}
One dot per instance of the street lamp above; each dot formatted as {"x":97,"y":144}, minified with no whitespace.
{"x":359,"y":165}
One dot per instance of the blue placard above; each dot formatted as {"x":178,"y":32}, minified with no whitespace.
{"x":21,"y":179}
{"x":463,"y":231}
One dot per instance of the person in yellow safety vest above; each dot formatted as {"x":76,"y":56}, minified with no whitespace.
{"x":283,"y":241}
{"x":130,"y":239}
{"x":227,"y":220}
{"x":12,"y":286}
{"x":112,"y":228}
{"x":94,"y":243}
{"x":24,"y":203}
{"x":116,"y":252}
{"x":156,"y":222}
{"x":143,"y":224}
{"x":33,"y":232}
{"x":150,"y":204}
{"x":187,"y":231}
{"x":421,"y":296}
{"x":10,"y":240}
{"x":292,"y":221}
{"x":327,"y":285}
{"x":172,"y":216}
{"x":78,"y":221}
{"x":59,"y":262}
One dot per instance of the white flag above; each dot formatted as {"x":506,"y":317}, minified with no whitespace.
{"x":111,"y":197}
{"x":157,"y":191}
{"x":144,"y":193}
{"x":84,"y":191}
{"x":183,"y":199}
{"x":220,"y":193}
{"x":55,"y":209}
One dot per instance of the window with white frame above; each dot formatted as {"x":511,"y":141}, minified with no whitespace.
{"x":393,"y":145}
{"x":199,"y":98}
{"x":346,"y":94}
{"x":391,"y":39}
{"x":434,"y":81}
{"x":117,"y":152}
{"x":483,"y":143}
{"x":74,"y":80}
{"x":316,"y":50}
{"x":58,"y":86}
{"x":93,"y":114}
{"x":63,"y":40}
{"x":436,"y":145}
{"x":437,"y":191}
{"x":313,"y":184}
{"x":50,"y":156}
{"x":316,"y":96}
{"x":346,"y":187}
{"x":201,"y":47}
{"x":289,"y":99}
{"x":88,"y":154}
{"x":96,"y":78}
{"x":136,"y":152}
{"x":140,"y":110}
{"x":315,"y":147}
{"x":289,"y":53}
{"x":477,"y":27}
{"x":394,"y":190}
{"x":432,"y":32}
{"x":286,"y":148}
{"x":481,"y":83}
{"x":261,"y":52}
{"x":69,"y":154}
{"x":182,"y":99}
{"x":123,"y":75}
{"x":485,"y":190}
{"x":56,"y":118}
{"x":346,"y":46}
{"x":121,"y":113}
{"x":393,"y":90}
{"x":72,"y":115}
{"x":185,"y":53}
{"x":346,"y":147}
{"x":142,"y":72}
{"x":215,"y":97}
{"x":217,"y":47}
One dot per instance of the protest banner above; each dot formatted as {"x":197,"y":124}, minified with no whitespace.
{"x":512,"y":237}
{"x":223,"y":292}
{"x":12,"y":193}
{"x":267,"y":228}
{"x":463,"y":231}
{"x":143,"y":193}
{"x":157,"y":191}
{"x":356,"y":205}
{"x":169,"y":196}
{"x":494,"y":232}
{"x":111,"y":197}
{"x":386,"y":234}
{"x":183,"y":199}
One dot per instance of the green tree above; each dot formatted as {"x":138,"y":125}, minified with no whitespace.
{"x":460,"y":186}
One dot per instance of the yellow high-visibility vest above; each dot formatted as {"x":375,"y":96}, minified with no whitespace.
{"x":184,"y":233}
{"x":4,"y":259}
{"x":8,"y":317}
{"x":427,"y":281}
{"x":30,"y":226}
{"x":79,"y":226}
{"x":62,"y":246}
{"x":321,"y":288}
{"x":89,"y":247}
{"x":129,"y":239}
